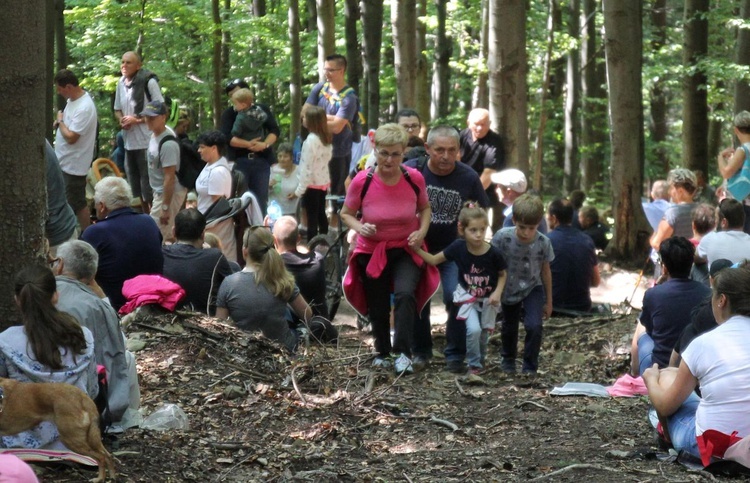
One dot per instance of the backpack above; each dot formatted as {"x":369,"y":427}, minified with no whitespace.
{"x":191,"y":163}
{"x":335,"y":99}
{"x":371,"y":173}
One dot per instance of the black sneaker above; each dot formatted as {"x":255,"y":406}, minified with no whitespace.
{"x":508,"y":365}
{"x":456,"y":367}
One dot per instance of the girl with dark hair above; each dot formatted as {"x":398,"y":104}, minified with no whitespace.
{"x":718,"y":361}
{"x":50,"y":346}
{"x":257,"y":297}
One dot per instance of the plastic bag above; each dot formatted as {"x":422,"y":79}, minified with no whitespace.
{"x":168,"y":416}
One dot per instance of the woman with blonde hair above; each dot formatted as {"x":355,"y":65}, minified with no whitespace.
{"x":258,"y":297}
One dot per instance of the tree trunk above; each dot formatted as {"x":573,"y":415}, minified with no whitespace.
{"x":312,"y":16}
{"x":572,"y":100}
{"x":539,"y":154}
{"x":423,"y":67}
{"x":24,"y":75}
{"x":49,"y":98}
{"x":326,"y":32}
{"x":216,"y":87}
{"x":742,"y":57}
{"x":141,"y":33}
{"x":259,"y":8}
{"x":441,"y":70}
{"x":353,"y":51}
{"x":372,"y":29}
{"x":226,"y":41}
{"x":481,"y":96}
{"x":506,"y":63}
{"x":695,"y":96}
{"x":623,"y":38}
{"x":660,"y":126}
{"x":594,"y":119}
{"x":404,"y":24}
{"x":61,"y":48}
{"x":295,"y":84}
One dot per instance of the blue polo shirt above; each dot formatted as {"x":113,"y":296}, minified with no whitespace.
{"x":575,"y":259}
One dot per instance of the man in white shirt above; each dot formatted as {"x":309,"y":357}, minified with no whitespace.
{"x":728,"y":241}
{"x":135,"y":89}
{"x":74,"y":142}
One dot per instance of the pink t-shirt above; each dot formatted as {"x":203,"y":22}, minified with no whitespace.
{"x":392,"y":209}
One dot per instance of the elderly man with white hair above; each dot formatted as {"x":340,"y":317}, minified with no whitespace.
{"x":511,"y":183}
{"x":128,"y":243}
{"x":81,"y":297}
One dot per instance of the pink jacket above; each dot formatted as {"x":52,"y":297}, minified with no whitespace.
{"x":150,"y":289}
{"x":354,"y":290}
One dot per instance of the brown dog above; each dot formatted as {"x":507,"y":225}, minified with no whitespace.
{"x":24,"y":405}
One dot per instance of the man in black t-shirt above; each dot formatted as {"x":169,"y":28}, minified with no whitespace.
{"x":449,"y":184}
{"x":482,"y":149}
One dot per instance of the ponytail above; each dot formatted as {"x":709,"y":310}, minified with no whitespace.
{"x":271,"y":271}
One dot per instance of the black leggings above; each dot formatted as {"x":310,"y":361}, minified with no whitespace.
{"x":315,"y":202}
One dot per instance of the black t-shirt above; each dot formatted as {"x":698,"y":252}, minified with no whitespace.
{"x":447,"y":194}
{"x":484,"y":153}
{"x":310,"y":275}
{"x":701,"y":321}
{"x":478,"y":274}
{"x":194,"y":269}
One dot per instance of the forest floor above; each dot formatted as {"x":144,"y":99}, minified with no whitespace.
{"x":256,"y":415}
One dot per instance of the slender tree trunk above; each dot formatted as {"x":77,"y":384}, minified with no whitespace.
{"x":506,"y":63}
{"x":24,"y":75}
{"x":742,"y":57}
{"x":295,"y":84}
{"x":372,"y":28}
{"x":49,"y":98}
{"x":226,"y":40}
{"x":326,"y":32}
{"x":259,"y":8}
{"x":423,"y":67}
{"x":660,"y":126}
{"x":623,"y":31}
{"x":572,"y":100}
{"x":594,"y":119}
{"x":404,"y":25}
{"x":312,"y":16}
{"x":441,"y":70}
{"x":216,"y":87}
{"x":481,"y":96}
{"x":61,"y":48}
{"x":695,"y":96}
{"x":539,"y":154}
{"x":353,"y":49}
{"x":141,"y":33}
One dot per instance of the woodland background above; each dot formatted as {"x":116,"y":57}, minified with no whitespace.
{"x":602,"y":95}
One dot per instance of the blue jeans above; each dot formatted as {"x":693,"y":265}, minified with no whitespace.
{"x":645,"y":352}
{"x":257,"y":173}
{"x":681,"y":426}
{"x":476,"y":341}
{"x":532,"y":306}
{"x":422,"y":328}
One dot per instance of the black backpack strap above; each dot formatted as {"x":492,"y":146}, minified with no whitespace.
{"x":166,"y":138}
{"x":411,"y":182}
{"x":366,"y":186}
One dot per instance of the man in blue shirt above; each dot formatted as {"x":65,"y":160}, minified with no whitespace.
{"x":575,"y":267}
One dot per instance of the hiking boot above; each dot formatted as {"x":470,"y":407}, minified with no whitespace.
{"x":420,"y":363}
{"x":508,"y":365}
{"x":403,"y":365}
{"x":456,"y":367}
{"x":382,"y":362}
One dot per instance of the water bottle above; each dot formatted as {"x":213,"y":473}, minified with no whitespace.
{"x":274,"y":212}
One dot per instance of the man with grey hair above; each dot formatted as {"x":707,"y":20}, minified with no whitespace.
{"x":449,"y":184}
{"x":128,"y":243}
{"x":81,"y":297}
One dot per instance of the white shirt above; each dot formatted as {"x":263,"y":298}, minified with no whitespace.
{"x":215,"y":180}
{"x":80,"y":117}
{"x":733,"y":245}
{"x":138,"y":135}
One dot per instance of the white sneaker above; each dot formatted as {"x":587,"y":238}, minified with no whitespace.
{"x":382,"y":362}
{"x":403,"y":365}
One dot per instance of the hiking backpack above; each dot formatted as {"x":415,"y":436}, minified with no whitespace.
{"x":335,"y":99}
{"x":191,"y":163}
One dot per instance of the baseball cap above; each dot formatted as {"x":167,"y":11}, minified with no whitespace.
{"x":511,"y":178}
{"x":235,"y":83}
{"x":153,"y":109}
{"x":719,"y":265}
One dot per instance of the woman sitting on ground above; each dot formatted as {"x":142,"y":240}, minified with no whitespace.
{"x":257,"y":297}
{"x":50,"y":346}
{"x":719,"y":361}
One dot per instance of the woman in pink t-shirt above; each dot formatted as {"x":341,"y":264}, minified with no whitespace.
{"x":395,"y":212}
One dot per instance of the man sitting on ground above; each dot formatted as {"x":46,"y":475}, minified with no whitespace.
{"x":307,"y":268}
{"x":197,"y":270}
{"x":729,"y":241}
{"x":81,"y":297}
{"x":666,"y":307}
{"x":575,"y":267}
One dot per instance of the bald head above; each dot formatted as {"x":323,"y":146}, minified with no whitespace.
{"x":285,"y":234}
{"x":130,"y":64}
{"x":660,"y":190}
{"x":479,"y":123}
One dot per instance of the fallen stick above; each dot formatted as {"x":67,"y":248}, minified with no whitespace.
{"x":223,"y":378}
{"x":578,"y":466}
{"x":443,"y":422}
{"x":296,"y":387}
{"x":407,"y":478}
{"x":462,"y":391}
{"x":523,"y":403}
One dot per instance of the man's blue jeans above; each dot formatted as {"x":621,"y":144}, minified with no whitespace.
{"x":422,"y":328}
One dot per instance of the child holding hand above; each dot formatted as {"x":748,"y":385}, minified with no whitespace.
{"x":481,"y":279}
